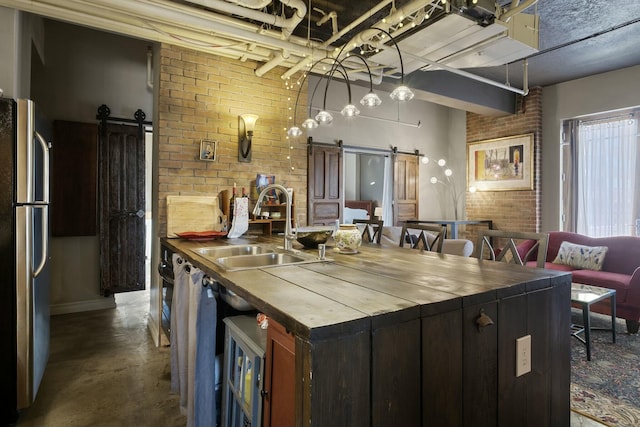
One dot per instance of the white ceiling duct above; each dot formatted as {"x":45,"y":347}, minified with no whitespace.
{"x":240,"y":9}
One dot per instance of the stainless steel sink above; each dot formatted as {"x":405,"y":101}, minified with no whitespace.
{"x":241,"y":262}
{"x":227,"y":251}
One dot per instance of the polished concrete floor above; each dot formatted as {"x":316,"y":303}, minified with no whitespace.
{"x":104,"y":371}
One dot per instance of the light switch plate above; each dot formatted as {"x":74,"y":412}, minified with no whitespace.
{"x":523,"y":355}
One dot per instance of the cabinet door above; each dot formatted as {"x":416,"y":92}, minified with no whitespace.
{"x":480,"y":366}
{"x":279,"y":386}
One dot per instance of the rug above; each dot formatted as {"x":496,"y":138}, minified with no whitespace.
{"x":607,"y":388}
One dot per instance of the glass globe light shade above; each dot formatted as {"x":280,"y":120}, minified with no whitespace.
{"x":442,"y":162}
{"x":371,"y":100}
{"x":424,"y":160}
{"x":324,"y":117}
{"x":310,"y":124}
{"x":448,"y":172}
{"x":294,"y":131}
{"x":401,"y":93}
{"x":472,"y":189}
{"x":350,"y":110}
{"x":434,"y":180}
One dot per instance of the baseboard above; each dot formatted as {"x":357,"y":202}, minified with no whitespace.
{"x":80,"y":306}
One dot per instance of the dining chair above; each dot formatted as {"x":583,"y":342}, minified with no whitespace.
{"x":514,"y":247}
{"x":431,"y":237}
{"x":372,"y":231}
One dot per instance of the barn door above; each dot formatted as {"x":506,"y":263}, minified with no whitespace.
{"x":405,"y":188}
{"x":324,"y":186}
{"x":121,"y":205}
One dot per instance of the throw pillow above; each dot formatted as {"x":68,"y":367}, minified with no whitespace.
{"x":580,"y":256}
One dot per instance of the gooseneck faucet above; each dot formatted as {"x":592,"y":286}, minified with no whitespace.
{"x":289,"y":237}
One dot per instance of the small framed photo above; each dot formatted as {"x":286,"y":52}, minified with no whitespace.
{"x":208,"y":150}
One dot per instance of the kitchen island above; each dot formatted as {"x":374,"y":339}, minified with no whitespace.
{"x":396,"y":337}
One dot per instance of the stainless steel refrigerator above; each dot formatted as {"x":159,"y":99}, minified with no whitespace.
{"x":24,"y":246}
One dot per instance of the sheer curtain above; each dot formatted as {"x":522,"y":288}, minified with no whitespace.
{"x":607,"y":177}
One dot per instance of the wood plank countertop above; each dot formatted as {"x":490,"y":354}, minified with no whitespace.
{"x":354,"y":292}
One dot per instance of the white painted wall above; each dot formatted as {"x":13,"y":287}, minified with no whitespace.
{"x":9,"y":62}
{"x":84,"y":69}
{"x":442,"y":134}
{"x":19,"y":33}
{"x":599,"y":93}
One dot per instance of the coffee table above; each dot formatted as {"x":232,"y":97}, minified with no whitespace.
{"x":583,"y":296}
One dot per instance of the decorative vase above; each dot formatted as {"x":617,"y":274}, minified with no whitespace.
{"x":348,"y":238}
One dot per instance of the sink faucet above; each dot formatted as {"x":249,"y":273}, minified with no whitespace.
{"x":289,"y":237}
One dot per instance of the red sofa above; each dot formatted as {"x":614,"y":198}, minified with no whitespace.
{"x":620,"y":271}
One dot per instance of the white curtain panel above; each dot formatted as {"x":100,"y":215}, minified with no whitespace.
{"x":608,"y":177}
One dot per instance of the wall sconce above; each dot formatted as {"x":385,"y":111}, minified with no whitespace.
{"x":246,"y":126}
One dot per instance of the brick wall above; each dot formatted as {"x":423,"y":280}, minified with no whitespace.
{"x":200,"y":97}
{"x":510,"y":210}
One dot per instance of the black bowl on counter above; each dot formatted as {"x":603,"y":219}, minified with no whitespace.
{"x":311,"y":237}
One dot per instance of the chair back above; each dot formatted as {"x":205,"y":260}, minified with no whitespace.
{"x":430,"y":238}
{"x":520,"y":247}
{"x":372,"y":231}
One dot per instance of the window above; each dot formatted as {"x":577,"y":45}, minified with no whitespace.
{"x":601,"y":189}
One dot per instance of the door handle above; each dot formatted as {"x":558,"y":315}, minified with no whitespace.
{"x":124,"y":214}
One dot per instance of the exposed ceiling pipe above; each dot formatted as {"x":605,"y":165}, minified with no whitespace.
{"x":515,"y":9}
{"x":124,"y":25}
{"x":308,"y":61}
{"x":287,"y":24}
{"x":165,"y":12}
{"x":364,"y":36}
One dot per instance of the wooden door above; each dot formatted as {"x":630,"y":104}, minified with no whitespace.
{"x":280,"y":380}
{"x":324,"y":185}
{"x":121,"y":206}
{"x":406,"y":188}
{"x":74,"y":172}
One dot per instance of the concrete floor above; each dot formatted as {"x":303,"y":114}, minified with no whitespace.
{"x":104,"y":371}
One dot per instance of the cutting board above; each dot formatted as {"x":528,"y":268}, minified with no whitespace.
{"x":192,"y":214}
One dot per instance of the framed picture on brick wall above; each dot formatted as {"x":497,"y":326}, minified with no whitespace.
{"x":208,"y":150}
{"x":501,"y":164}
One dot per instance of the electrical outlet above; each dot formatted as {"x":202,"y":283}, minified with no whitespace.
{"x":523,"y":355}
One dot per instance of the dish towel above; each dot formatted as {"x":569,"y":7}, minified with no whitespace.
{"x":179,"y":331}
{"x":195,"y":292}
{"x":240,"y":223}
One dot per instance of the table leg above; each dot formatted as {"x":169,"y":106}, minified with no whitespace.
{"x":613,"y":316}
{"x":454,"y":231}
{"x":586,"y":321}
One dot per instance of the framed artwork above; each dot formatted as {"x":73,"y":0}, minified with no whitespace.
{"x":501,"y":164}
{"x":262,"y":180}
{"x":208,"y":150}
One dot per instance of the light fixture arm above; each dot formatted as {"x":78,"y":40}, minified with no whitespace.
{"x":355,"y":55}
{"x":343,"y":71}
{"x":399,"y":54}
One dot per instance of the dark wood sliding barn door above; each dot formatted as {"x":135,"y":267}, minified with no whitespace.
{"x":121,"y":205}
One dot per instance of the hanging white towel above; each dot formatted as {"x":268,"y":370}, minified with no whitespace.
{"x":195,"y":291}
{"x":179,"y":331}
{"x":240,"y":223}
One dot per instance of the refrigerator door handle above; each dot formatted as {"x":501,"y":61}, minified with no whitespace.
{"x":45,"y":239}
{"x":45,"y":168}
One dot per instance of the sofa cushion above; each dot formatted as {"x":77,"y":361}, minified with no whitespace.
{"x":580,"y":256}
{"x":604,"y":279}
